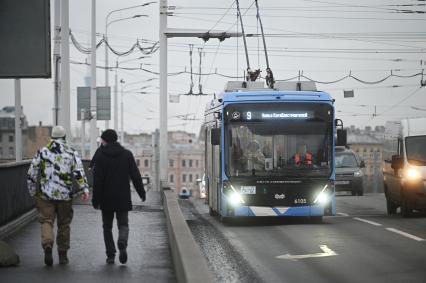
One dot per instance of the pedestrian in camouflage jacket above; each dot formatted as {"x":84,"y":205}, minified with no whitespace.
{"x":54,"y":168}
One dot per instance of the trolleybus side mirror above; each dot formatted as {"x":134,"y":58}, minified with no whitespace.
{"x":341,"y":137}
{"x":215,"y":136}
{"x":341,"y":133}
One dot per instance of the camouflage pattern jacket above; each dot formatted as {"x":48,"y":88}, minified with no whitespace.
{"x":55,"y":165}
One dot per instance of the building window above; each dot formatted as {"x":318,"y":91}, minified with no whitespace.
{"x":171,"y":163}
{"x":190,"y":178}
{"x":197,"y":163}
{"x":183,"y":163}
{"x":146,"y":163}
{"x":1,"y":151}
{"x":183,"y":178}
{"x":10,"y":138}
{"x":197,"y":177}
{"x":11,"y":151}
{"x":190,"y":163}
{"x":138,"y":162}
{"x":172,"y":177}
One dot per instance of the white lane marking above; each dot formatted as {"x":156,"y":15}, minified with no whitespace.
{"x":402,"y":233}
{"x":326,"y":252}
{"x":343,"y":214}
{"x":368,"y":221}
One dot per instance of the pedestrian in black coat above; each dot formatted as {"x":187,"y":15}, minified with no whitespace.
{"x":114,"y":166}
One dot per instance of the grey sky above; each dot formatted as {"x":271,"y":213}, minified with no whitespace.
{"x":312,"y":36}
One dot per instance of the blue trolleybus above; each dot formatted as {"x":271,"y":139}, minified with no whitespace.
{"x":270,"y":152}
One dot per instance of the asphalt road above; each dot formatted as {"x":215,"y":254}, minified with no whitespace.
{"x":361,"y":244}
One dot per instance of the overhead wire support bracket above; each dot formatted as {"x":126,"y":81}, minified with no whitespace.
{"x":269,"y":75}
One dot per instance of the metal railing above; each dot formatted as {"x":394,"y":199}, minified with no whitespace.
{"x":14,"y":197}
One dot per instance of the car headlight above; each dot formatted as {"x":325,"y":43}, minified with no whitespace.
{"x":412,"y":174}
{"x":358,"y":173}
{"x":323,"y":197}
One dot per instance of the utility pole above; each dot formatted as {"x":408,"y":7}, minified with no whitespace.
{"x":116,"y":97}
{"x":122,"y":113}
{"x":93,"y":118}
{"x":83,"y":133}
{"x":18,"y":122}
{"x":106,"y":69}
{"x":56,"y":61}
{"x":163,"y":95}
{"x":64,"y":117}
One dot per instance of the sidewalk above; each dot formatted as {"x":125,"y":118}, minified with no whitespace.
{"x":148,"y":251}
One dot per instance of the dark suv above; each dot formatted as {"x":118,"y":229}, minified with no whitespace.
{"x":349,"y":174}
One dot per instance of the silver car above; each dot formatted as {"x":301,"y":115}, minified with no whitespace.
{"x":349,"y":174}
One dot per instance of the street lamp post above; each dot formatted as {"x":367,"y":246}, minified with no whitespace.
{"x":107,"y":23}
{"x":123,"y":86}
{"x":107,"y":67}
{"x":122,"y":113}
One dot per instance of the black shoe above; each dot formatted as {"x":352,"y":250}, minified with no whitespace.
{"x":48,"y":258}
{"x":110,"y":260}
{"x":123,"y":256}
{"x":63,"y":259}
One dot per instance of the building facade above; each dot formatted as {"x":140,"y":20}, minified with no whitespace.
{"x":185,"y":164}
{"x":7,"y":134}
{"x":368,"y":144}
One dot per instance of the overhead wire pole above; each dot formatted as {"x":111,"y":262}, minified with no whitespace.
{"x":163,"y":96}
{"x":56,"y":60}
{"x":18,"y":121}
{"x":64,"y":98}
{"x":93,"y":106}
{"x":164,"y":34}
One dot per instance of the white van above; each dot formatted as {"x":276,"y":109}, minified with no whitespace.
{"x":404,"y":167}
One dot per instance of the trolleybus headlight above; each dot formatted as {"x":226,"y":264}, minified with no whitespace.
{"x":323,"y":197}
{"x":235,"y":199}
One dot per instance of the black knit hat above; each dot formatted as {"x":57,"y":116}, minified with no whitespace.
{"x":109,"y":136}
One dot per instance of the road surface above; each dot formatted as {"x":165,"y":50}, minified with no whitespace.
{"x":361,"y":244}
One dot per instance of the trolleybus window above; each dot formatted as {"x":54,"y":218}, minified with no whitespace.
{"x":283,"y":142}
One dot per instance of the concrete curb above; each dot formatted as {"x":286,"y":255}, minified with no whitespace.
{"x":15,"y":225}
{"x":190,"y":265}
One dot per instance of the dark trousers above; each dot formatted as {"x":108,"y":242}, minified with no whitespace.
{"x":123,"y":230}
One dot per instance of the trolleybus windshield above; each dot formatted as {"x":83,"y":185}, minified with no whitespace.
{"x":278,"y":140}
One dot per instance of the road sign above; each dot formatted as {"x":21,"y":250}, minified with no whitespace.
{"x":348,"y":93}
{"x":103,"y":102}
